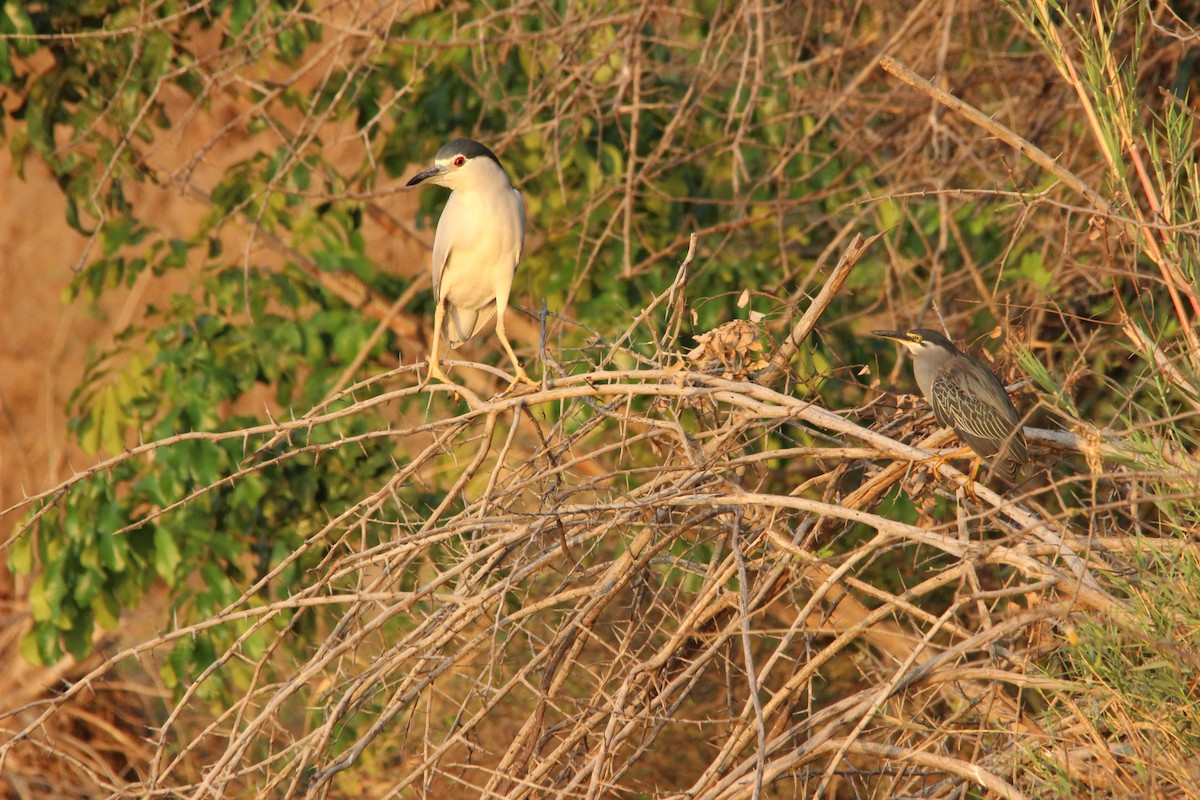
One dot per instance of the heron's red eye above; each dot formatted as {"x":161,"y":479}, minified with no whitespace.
{"x":458,"y":162}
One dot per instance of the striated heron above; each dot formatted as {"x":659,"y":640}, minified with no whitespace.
{"x":967,"y":397}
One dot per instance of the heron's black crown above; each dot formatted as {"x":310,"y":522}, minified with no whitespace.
{"x":466,"y":147}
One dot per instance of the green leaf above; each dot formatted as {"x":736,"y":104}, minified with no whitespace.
{"x":49,"y":649}
{"x":1034,"y":367}
{"x":205,"y":461}
{"x":39,"y":601}
{"x":86,"y":587}
{"x":20,"y":556}
{"x":167,"y":557}
{"x":111,"y":549}
{"x":243,"y":11}
{"x":889,"y":214}
{"x":78,"y":638}
{"x":174,"y":670}
{"x":16,"y":20}
{"x":30,"y":651}
{"x":107,"y":611}
{"x":1033,"y":267}
{"x":89,"y":434}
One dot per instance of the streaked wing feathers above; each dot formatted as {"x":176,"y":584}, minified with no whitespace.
{"x":970,"y":399}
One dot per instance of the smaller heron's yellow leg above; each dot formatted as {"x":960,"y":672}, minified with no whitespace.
{"x":969,"y":486}
{"x":940,"y":460}
{"x":937,"y":462}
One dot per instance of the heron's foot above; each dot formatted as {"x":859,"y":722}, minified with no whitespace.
{"x":968,"y":487}
{"x":522,"y":377}
{"x":942,"y":459}
{"x":933,"y":463}
{"x":435,"y":373}
{"x":967,"y":482}
{"x":521,"y":382}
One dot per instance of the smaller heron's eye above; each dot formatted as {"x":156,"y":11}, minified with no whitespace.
{"x":458,"y":162}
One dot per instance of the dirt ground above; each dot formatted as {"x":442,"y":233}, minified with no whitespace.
{"x":43,"y":341}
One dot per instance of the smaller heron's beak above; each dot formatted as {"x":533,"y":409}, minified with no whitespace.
{"x":432,"y":172}
{"x":911,"y":345}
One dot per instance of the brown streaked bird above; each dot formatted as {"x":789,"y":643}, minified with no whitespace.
{"x":967,"y":397}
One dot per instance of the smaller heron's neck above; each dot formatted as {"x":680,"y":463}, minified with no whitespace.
{"x":925,"y":369}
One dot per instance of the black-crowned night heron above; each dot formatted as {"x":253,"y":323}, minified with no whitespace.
{"x":967,"y":397}
{"x":476,"y":248}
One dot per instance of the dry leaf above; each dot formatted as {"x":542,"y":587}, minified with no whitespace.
{"x":731,"y":350}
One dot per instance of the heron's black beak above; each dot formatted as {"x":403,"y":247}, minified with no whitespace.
{"x":432,"y":172}
{"x":899,"y":336}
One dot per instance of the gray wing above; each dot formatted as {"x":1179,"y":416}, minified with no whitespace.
{"x":970,"y":399}
{"x":521,"y":212}
{"x":441,"y":248}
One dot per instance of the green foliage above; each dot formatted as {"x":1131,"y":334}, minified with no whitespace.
{"x":100,"y":547}
{"x":1142,"y":676}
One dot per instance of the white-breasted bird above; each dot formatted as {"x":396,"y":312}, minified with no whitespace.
{"x":478,"y":243}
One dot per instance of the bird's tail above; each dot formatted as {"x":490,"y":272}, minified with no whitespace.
{"x":460,"y":324}
{"x":1009,"y":463}
{"x":1009,"y":469}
